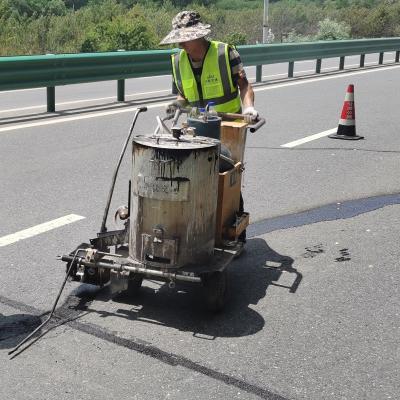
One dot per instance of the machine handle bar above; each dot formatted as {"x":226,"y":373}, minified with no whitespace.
{"x":253,"y":127}
{"x":257,"y":125}
{"x":114,"y":178}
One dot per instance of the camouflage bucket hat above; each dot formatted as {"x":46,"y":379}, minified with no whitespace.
{"x":186,"y":26}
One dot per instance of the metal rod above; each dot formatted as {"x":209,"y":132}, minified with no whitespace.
{"x":166,"y":118}
{"x":178,"y":113}
{"x":397,"y":56}
{"x":51,"y":99}
{"x":162,"y":126}
{"x":381,"y":58}
{"x":129,"y":198}
{"x":103,"y":224}
{"x":52,"y":310}
{"x":138,"y":269}
{"x":265,"y":21}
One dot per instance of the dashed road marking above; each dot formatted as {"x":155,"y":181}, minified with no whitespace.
{"x":65,"y":103}
{"x":36,"y":230}
{"x":57,"y":120}
{"x":309,"y":138}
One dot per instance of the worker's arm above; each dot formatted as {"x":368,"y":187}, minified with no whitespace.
{"x":247,"y":97}
{"x":246,"y":92}
{"x":180,"y":98}
{"x":179,"y":102}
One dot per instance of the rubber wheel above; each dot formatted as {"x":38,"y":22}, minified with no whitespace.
{"x":216,"y":290}
{"x":134,"y":282}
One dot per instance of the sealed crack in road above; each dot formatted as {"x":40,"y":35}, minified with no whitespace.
{"x":68,"y":314}
{"x":330,"y":212}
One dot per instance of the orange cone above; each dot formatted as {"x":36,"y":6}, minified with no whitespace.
{"x":347,"y":122}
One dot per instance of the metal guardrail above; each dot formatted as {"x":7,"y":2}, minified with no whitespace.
{"x":54,"y":70}
{"x":291,"y":52}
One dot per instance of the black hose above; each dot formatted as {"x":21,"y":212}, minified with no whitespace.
{"x":51,"y":313}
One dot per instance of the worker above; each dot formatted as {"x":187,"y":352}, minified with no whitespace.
{"x":207,"y":71}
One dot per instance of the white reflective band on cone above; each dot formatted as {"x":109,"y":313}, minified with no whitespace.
{"x":349,"y":97}
{"x":347,"y":122}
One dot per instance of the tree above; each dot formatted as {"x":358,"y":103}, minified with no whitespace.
{"x":332,"y":30}
{"x":236,"y":38}
{"x":120,"y":33}
{"x":75,"y":4}
{"x":36,"y":8}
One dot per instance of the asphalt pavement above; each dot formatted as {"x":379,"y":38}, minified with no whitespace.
{"x":314,"y":299}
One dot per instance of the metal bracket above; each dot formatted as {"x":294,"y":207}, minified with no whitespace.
{"x":159,"y":252}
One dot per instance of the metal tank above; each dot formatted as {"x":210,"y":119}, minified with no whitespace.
{"x":172,"y":221}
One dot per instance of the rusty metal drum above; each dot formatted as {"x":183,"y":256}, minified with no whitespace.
{"x":173,"y":200}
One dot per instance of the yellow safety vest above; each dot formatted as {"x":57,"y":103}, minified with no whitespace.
{"x":216,"y":79}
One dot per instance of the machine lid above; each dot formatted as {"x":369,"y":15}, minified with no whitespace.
{"x":169,"y":142}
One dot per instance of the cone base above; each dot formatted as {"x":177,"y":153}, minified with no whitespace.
{"x":347,"y":132}
{"x":345,"y":137}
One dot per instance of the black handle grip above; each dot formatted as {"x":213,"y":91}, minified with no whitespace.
{"x":257,"y":125}
{"x":142,"y":109}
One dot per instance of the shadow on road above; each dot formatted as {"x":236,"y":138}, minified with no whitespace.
{"x":16,"y":326}
{"x":181,"y":308}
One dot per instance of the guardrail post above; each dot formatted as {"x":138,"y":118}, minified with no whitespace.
{"x":291,"y":69}
{"x":380,"y":58}
{"x":51,"y":99}
{"x":318,"y":66}
{"x":121,"y":90}
{"x":258,"y":73}
{"x":174,"y":89}
{"x":397,"y":56}
{"x":341,"y":63}
{"x":362,"y":60}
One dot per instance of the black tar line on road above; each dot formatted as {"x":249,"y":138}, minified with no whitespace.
{"x":147,"y":349}
{"x":329,"y":212}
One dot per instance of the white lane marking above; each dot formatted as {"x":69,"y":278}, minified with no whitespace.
{"x":309,"y":138}
{"x":76,"y":118}
{"x":83,"y":101}
{"x":36,"y":230}
{"x":42,"y":88}
{"x":21,"y":90}
{"x":322,"y":70}
{"x":11,"y":110}
{"x":324,"y":78}
{"x":58,"y":120}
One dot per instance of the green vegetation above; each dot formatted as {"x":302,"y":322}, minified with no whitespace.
{"x":70,"y":26}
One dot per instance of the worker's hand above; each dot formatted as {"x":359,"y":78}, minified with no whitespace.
{"x":251,"y":115}
{"x":170,"y":108}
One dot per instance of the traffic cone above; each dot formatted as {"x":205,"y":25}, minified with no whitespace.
{"x":347,"y":122}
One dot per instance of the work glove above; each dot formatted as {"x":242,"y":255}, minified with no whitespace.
{"x":251,"y":115}
{"x":170,"y":108}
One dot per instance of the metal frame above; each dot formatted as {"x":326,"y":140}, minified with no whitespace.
{"x":64,"y":69}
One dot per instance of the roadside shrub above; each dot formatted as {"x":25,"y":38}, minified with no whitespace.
{"x":236,"y":38}
{"x":122,"y":32}
{"x":332,"y":30}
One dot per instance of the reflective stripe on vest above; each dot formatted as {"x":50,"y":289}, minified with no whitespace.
{"x":216,"y":79}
